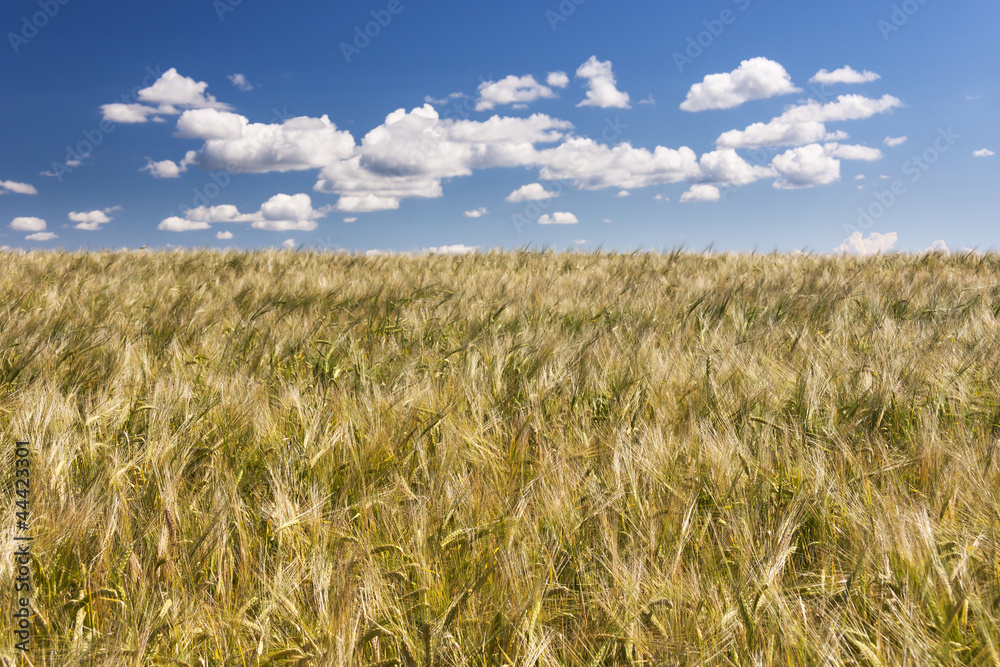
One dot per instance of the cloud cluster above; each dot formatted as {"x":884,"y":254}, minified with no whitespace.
{"x":92,"y":220}
{"x":279,"y":213}
{"x":36,"y":227}
{"x":754,"y":79}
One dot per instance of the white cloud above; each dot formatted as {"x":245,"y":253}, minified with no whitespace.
{"x":41,"y":236}
{"x":233,"y":143}
{"x":412,"y":152}
{"x":279,"y":213}
{"x":517,"y":90}
{"x":805,"y":123}
{"x":240,"y":82}
{"x":602,"y":90}
{"x":168,"y":96}
{"x":27,"y":224}
{"x":350,"y":220}
{"x":476,"y":213}
{"x":623,"y":193}
{"x":874,"y":244}
{"x":18,"y":188}
{"x":91,"y":220}
{"x":288,"y":243}
{"x":844,"y":75}
{"x":648,"y":100}
{"x":894,"y":141}
{"x":754,"y":79}
{"x":727,"y":167}
{"x":661,"y":197}
{"x":983,"y":152}
{"x":593,"y":166}
{"x":938,"y":246}
{"x":805,"y":167}
{"x":457,"y":249}
{"x":701,"y":192}
{"x":169,"y":168}
{"x":557,"y":218}
{"x":860,"y":177}
{"x":852,"y":152}
{"x":557,"y":79}
{"x":531,"y":192}
{"x":225,"y":236}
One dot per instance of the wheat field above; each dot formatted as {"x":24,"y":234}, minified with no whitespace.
{"x":520,"y":458}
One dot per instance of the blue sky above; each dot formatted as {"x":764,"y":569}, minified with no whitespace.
{"x":742,"y":124}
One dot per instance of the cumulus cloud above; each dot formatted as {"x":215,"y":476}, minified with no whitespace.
{"x":279,"y":213}
{"x":18,"y":188}
{"x":873,"y":245}
{"x":41,"y":236}
{"x":593,"y":166}
{"x":938,"y":246}
{"x":557,"y":79}
{"x":233,"y":143}
{"x":27,"y":224}
{"x":169,"y":95}
{"x":224,"y":236}
{"x":476,"y":213}
{"x":894,"y":141}
{"x":557,"y":218}
{"x":602,"y":90}
{"x":516,"y":90}
{"x":806,"y":123}
{"x":623,"y":193}
{"x":701,"y":192}
{"x":983,"y":152}
{"x":91,"y":220}
{"x":531,"y":192}
{"x":754,"y":79}
{"x":726,"y":167}
{"x":804,"y":167}
{"x":169,"y":168}
{"x":288,"y":244}
{"x":240,"y":82}
{"x":457,"y":249}
{"x":845,"y":74}
{"x":852,"y":152}
{"x":412,"y":152}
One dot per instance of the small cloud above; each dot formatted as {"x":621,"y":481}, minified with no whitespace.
{"x":476,"y":213}
{"x":701,"y":192}
{"x":530,"y":192}
{"x":225,"y":236}
{"x":623,"y":193}
{"x":845,"y":74}
{"x":754,"y":79}
{"x":608,"y":220}
{"x":27,"y":224}
{"x":874,"y":244}
{"x":240,"y":82}
{"x":557,"y":79}
{"x":41,"y":236}
{"x":579,"y":241}
{"x":661,"y":197}
{"x":860,"y":177}
{"x":894,"y":141}
{"x":91,"y":220}
{"x":648,"y":100}
{"x":558,"y":218}
{"x":972,"y":98}
{"x":169,"y":168}
{"x":288,"y":243}
{"x":884,"y":177}
{"x":457,"y":249}
{"x":18,"y":188}
{"x":350,"y":220}
{"x":983,"y":152}
{"x":938,"y":246}
{"x":602,"y":89}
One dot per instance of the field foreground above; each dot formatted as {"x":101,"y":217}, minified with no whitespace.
{"x":523,"y":458}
